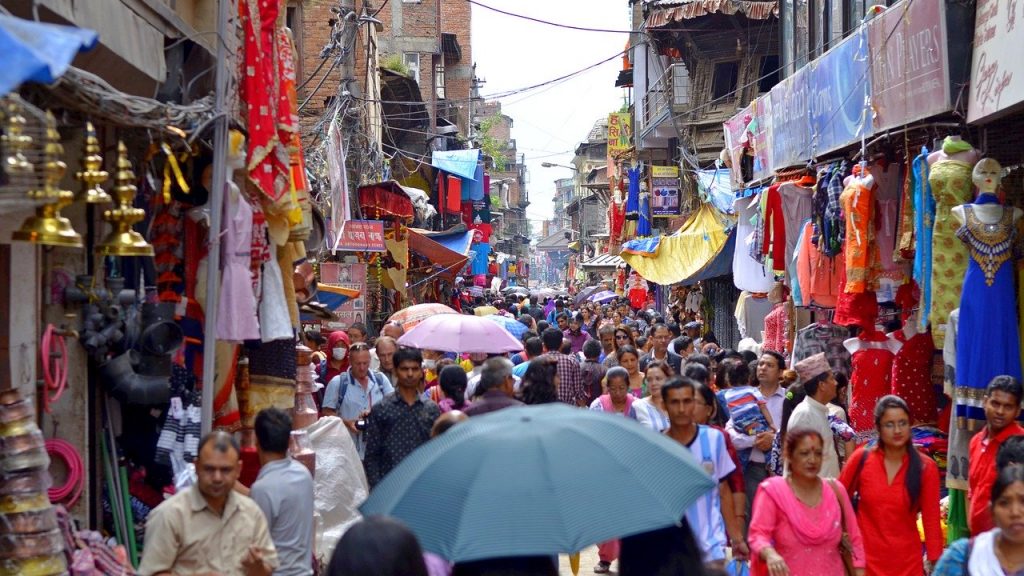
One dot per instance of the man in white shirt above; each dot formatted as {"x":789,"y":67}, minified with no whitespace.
{"x":820,"y":385}
{"x":769,"y":377}
{"x":712,"y":515}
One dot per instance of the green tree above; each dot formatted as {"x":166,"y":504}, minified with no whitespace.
{"x":490,"y":145}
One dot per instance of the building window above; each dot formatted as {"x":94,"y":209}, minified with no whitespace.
{"x":723,"y":83}
{"x":769,"y":73}
{"x":439,"y":79}
{"x":412,"y":62}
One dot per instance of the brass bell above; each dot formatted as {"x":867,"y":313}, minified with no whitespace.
{"x":47,"y":226}
{"x":122,"y":240}
{"x":93,"y":175}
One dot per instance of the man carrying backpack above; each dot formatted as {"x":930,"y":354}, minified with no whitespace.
{"x":353,"y":393}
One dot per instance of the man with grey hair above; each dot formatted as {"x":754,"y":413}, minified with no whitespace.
{"x":384,"y":352}
{"x":496,"y":388}
{"x":392,"y":331}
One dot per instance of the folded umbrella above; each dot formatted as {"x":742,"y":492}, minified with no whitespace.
{"x":511,"y":325}
{"x":413,"y":315}
{"x":539,"y":480}
{"x":460,"y":333}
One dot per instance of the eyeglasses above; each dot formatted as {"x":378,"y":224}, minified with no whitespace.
{"x":899,"y":425}
{"x":358,"y":346}
{"x":621,"y":337}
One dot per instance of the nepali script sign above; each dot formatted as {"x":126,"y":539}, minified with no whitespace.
{"x":362,"y":236}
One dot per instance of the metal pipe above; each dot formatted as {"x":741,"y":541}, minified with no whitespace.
{"x":217,"y":189}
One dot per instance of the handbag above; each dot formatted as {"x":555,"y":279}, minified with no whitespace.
{"x":845,"y":547}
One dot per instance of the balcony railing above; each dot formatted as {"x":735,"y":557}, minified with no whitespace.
{"x":669,"y":94}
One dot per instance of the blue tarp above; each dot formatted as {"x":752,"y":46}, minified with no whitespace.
{"x":720,"y":266}
{"x":458,"y":242}
{"x":458,"y":162}
{"x":38,"y":52}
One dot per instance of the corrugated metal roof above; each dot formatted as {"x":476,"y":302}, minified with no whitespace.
{"x":603,"y":261}
{"x":666,"y":11}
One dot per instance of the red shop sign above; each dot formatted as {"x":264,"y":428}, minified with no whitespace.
{"x":362,"y":236}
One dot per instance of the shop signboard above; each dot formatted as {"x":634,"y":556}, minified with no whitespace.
{"x":839,"y":82}
{"x":362,"y":236}
{"x":620,"y":137}
{"x":997,"y":83}
{"x":909,"y":69}
{"x":790,"y":126}
{"x":664,"y":191}
{"x":351,"y":276}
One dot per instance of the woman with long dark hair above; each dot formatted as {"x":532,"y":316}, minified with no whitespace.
{"x":540,"y":382}
{"x":891,"y":484}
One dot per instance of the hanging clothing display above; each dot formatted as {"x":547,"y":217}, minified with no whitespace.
{"x":858,"y":201}
{"x":912,"y":374}
{"x":988,"y":342}
{"x":872,"y":354}
{"x":275,"y":322}
{"x":817,"y":275}
{"x":906,"y":236}
{"x":748,"y":274}
{"x":959,"y":438}
{"x":236,"y":311}
{"x":924,"y":224}
{"x":950,"y":181}
{"x":775,"y":329}
{"x":643,"y":226}
{"x":830,"y":231}
{"x":482,"y":252}
{"x":823,"y":338}
{"x":750,"y":314}
{"x":633,"y":194}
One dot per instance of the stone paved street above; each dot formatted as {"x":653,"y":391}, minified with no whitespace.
{"x":588,"y":559}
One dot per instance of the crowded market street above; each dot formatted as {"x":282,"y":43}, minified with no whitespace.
{"x":511,"y":288}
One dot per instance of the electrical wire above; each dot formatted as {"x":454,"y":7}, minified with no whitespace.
{"x":574,"y":27}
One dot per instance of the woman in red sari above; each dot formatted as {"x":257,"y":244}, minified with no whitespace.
{"x":894,"y":482}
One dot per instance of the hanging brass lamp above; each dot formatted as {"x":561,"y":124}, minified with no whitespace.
{"x":122,"y":240}
{"x":47,"y":226}
{"x":93,"y":175}
{"x":15,"y":142}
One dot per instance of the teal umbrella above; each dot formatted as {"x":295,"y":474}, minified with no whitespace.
{"x":538,"y":480}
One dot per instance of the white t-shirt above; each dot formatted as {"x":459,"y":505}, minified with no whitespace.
{"x":705,"y":515}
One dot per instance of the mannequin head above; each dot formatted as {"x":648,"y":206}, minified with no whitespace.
{"x":987,"y":175}
{"x":236,"y":150}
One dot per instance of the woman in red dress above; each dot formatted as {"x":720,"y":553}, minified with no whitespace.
{"x":889,"y":485}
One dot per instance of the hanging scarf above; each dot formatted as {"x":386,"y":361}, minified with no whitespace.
{"x":824,"y":528}
{"x":259,"y":91}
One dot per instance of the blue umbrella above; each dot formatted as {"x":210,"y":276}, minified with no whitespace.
{"x":38,"y":51}
{"x":603,"y":297}
{"x":511,"y":325}
{"x":539,"y":480}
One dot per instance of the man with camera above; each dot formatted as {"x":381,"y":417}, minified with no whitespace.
{"x":353,"y":393}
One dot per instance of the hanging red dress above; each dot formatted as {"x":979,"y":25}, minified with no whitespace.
{"x":265,"y":162}
{"x":775,"y":329}
{"x":872,"y":355}
{"x":912,"y":376}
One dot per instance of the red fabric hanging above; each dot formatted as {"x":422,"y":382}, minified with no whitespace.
{"x":453,"y":201}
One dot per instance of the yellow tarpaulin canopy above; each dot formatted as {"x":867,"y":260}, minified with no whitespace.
{"x":685,"y":253}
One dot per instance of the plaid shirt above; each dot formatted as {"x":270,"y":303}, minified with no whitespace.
{"x":571,"y":389}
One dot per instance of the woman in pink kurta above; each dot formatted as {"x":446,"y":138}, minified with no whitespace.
{"x":798,"y":519}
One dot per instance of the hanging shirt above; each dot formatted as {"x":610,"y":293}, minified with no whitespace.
{"x":748,"y":274}
{"x":480,"y":260}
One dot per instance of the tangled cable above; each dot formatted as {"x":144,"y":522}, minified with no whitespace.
{"x":72,"y":488}
{"x":55,"y":366}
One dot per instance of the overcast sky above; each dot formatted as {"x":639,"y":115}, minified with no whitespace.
{"x":549,"y":122}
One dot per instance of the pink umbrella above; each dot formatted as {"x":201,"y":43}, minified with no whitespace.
{"x":460,"y":333}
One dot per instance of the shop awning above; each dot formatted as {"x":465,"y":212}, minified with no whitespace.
{"x":385,"y":201}
{"x":609,"y":261}
{"x":442,"y":252}
{"x":554,"y":243}
{"x":684,"y":254}
{"x":38,"y":52}
{"x":667,"y":11}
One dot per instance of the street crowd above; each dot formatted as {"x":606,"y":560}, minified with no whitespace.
{"x":794,"y":496}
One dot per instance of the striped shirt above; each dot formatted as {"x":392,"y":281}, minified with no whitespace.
{"x":705,"y":515}
{"x":649,"y":415}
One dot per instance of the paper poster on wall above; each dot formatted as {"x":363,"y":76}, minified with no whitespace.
{"x":347,"y":276}
{"x":664,"y":191}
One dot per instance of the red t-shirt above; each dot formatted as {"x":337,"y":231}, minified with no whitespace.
{"x":982,"y":475}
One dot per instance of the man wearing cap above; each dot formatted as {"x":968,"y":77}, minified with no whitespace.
{"x":820,"y":386}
